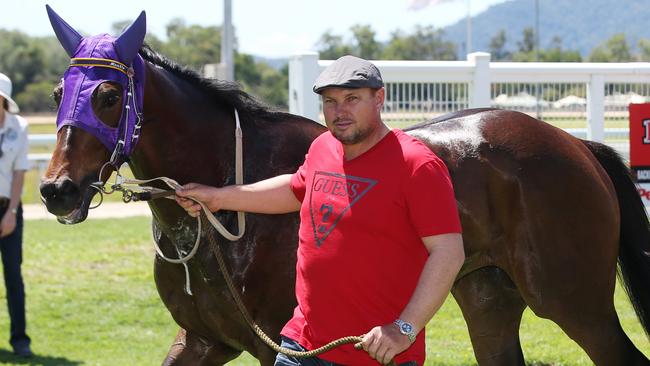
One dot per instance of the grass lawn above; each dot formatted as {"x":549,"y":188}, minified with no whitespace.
{"x":91,"y":300}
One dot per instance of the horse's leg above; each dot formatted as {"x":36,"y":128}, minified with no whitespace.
{"x":599,"y":333}
{"x":492,"y":308}
{"x":189,"y":349}
{"x":578,"y":294}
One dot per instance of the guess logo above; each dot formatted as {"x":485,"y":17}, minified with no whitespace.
{"x":331,"y":196}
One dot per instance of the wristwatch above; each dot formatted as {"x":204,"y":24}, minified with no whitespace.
{"x":406,"y":328}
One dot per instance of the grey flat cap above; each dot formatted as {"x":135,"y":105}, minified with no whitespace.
{"x":349,"y":72}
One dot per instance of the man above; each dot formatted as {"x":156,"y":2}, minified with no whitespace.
{"x":13,"y":164}
{"x":380,"y":242}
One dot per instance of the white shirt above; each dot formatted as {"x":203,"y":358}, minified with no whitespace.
{"x":14,"y":150}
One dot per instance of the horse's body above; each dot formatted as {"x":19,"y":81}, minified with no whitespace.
{"x":545,"y":217}
{"x":262,"y":263}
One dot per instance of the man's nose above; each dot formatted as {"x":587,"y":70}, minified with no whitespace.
{"x":340,"y":110}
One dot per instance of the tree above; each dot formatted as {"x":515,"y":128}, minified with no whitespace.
{"x":331,"y":47}
{"x":615,"y":49}
{"x":644,"y":49}
{"x":426,"y":43}
{"x":274,"y":88}
{"x":497,"y":47}
{"x":37,"y":97}
{"x":556,"y":54}
{"x":263,"y":81}
{"x":365,"y":44}
{"x":20,"y":58}
{"x":527,"y":44}
{"x":56,"y":59}
{"x":194,"y":45}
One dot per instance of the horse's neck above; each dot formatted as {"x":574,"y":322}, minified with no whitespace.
{"x":184,"y":135}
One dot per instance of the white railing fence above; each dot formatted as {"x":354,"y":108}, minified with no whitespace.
{"x":590,"y":100}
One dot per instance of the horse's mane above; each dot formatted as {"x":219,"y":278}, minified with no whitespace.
{"x":224,"y":91}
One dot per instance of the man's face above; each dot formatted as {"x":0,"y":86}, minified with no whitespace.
{"x":352,"y":114}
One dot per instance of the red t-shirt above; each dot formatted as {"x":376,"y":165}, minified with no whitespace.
{"x":360,"y":252}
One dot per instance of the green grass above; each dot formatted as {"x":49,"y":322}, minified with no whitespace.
{"x":42,"y":128}
{"x":91,"y":300}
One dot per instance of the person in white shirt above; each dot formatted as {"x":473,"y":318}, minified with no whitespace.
{"x":13,"y":164}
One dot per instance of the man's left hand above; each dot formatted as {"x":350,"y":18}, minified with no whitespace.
{"x":384,"y":343}
{"x":8,"y":224}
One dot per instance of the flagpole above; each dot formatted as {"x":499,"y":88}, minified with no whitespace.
{"x":227,"y":37}
{"x":469,"y":29}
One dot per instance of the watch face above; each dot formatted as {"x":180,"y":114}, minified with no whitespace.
{"x":406,"y":328}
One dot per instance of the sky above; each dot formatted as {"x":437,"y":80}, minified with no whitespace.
{"x":269,"y":28}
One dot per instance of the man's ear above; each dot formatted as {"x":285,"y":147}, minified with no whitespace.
{"x":380,"y":94}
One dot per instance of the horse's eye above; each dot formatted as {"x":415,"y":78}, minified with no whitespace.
{"x":110,"y":99}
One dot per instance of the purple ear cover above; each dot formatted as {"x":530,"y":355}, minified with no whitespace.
{"x":130,"y":41}
{"x":68,"y":37}
{"x":80,"y":82}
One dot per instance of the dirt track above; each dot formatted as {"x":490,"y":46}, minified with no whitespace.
{"x":106,"y":210}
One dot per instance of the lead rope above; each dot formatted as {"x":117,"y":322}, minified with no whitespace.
{"x":216,"y":250}
{"x":171,"y":183}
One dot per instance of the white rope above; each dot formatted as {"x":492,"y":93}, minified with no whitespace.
{"x":241,"y":222}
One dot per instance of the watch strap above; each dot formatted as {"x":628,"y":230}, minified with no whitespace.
{"x":406,"y":328}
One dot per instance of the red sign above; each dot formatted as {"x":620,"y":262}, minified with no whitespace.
{"x":640,"y":136}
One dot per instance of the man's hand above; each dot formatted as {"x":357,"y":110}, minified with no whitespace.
{"x":8,"y":224}
{"x":383,"y":343}
{"x":200,"y":192}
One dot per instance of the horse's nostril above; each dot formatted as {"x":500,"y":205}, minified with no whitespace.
{"x":56,"y":191}
{"x":67,"y":187}
{"x":48,"y":191}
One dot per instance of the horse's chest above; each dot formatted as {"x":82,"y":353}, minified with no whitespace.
{"x":207,"y":311}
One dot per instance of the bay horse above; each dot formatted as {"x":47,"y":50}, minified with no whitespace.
{"x":546,"y":216}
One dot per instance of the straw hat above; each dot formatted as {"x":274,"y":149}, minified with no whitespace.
{"x":5,"y":91}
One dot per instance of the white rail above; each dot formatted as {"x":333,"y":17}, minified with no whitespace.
{"x":418,"y":90}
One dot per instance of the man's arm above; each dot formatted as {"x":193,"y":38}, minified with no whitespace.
{"x":446,"y":256}
{"x":271,"y":196}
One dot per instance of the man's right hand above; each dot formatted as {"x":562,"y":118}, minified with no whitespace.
{"x":206,"y":194}
{"x":269,"y":196}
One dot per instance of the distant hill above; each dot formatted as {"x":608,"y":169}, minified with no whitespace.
{"x":581,"y":24}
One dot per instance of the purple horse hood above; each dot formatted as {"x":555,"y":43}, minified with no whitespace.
{"x":85,"y":75}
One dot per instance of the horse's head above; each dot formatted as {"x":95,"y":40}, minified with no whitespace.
{"x":100,"y":101}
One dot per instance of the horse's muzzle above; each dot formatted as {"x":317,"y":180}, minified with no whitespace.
{"x":61,"y":196}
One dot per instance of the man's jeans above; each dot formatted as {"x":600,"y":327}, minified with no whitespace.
{"x":284,"y":360}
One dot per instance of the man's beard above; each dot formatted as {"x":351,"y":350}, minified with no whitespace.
{"x":357,"y":136}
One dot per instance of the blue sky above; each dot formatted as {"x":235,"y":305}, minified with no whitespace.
{"x":272,"y":28}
